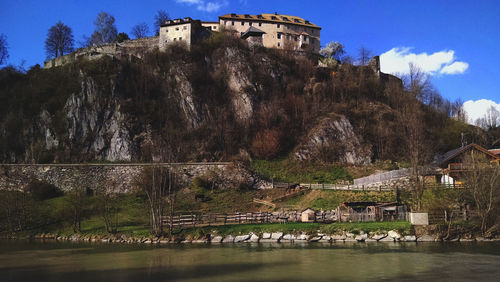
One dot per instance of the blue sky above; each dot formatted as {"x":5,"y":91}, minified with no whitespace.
{"x":455,"y":41}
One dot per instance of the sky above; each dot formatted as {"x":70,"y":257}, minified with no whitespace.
{"x":455,"y":42}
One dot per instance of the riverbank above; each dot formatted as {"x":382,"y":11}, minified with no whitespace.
{"x":397,"y":231}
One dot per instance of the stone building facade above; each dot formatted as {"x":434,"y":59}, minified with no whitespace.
{"x":279,"y":31}
{"x":184,"y":30}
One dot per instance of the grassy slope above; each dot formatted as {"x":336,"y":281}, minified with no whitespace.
{"x":329,"y":199}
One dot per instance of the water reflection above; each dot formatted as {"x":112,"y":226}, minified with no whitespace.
{"x":34,"y":261}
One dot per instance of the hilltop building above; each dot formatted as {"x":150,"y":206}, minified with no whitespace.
{"x":268,"y":30}
{"x":184,"y":30}
{"x":277,"y":31}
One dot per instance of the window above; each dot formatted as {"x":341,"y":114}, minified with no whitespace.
{"x":250,"y":23}
{"x":232,"y":23}
{"x":175,"y":39}
{"x":279,"y":25}
{"x":279,"y":35}
{"x":185,"y":27}
{"x":279,"y":44}
{"x":242,"y":23}
{"x":260,"y":24}
{"x":180,"y":38}
{"x":176,"y":28}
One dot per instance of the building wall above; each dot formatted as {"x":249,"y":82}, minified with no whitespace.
{"x":213,"y":26}
{"x":176,"y":33}
{"x":278,"y":35}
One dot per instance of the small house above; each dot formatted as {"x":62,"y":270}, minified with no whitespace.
{"x":369,"y":211}
{"x":308,"y":215}
{"x":452,"y":167}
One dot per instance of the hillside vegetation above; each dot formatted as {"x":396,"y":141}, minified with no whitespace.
{"x":220,"y":100}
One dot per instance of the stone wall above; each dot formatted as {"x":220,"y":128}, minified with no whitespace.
{"x":119,"y":178}
{"x":136,"y":47}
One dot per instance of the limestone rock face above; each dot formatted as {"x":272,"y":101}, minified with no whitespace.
{"x":333,"y":139}
{"x":97,"y":125}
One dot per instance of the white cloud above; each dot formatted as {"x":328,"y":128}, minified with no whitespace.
{"x":205,"y":6}
{"x":455,"y":68}
{"x":397,"y":61}
{"x":478,"y":109}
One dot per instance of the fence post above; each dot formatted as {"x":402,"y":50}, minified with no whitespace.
{"x":225,"y":219}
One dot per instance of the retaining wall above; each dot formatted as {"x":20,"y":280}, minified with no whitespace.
{"x":119,"y":178}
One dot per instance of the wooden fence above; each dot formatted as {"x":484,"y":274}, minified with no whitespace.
{"x":454,"y":215}
{"x":193,"y":220}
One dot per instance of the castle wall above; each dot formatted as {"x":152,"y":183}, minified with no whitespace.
{"x":136,"y":47}
{"x":115,"y":177}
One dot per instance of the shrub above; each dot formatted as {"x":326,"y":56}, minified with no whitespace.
{"x":41,"y":190}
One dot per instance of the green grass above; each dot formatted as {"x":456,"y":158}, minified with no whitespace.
{"x":288,"y":171}
{"x":331,"y":199}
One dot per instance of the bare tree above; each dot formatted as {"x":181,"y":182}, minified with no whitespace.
{"x":160,"y":18}
{"x":411,"y":116}
{"x":76,"y":203}
{"x":140,"y":30}
{"x":105,"y":30}
{"x":417,"y":83}
{"x":159,"y":184}
{"x":333,"y":50}
{"x":59,"y":40}
{"x":4,"y":52}
{"x":482,"y":178}
{"x":364,"y":56}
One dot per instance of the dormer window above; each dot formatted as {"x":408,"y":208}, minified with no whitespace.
{"x":233,"y":15}
{"x":260,"y":17}
{"x":274,"y":18}
{"x":247,"y":16}
{"x":307,"y":22}
{"x":296,"y":20}
{"x":286,"y":19}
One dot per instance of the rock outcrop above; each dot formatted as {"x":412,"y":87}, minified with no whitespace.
{"x":333,"y":139}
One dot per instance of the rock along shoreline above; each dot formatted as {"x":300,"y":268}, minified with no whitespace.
{"x":274,"y":237}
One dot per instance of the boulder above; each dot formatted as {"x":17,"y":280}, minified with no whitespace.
{"x":277,"y":235}
{"x":266,"y":236}
{"x":425,"y":238}
{"x":410,"y":238}
{"x":379,"y":236}
{"x":325,"y":239}
{"x":241,"y":238}
{"x":349,"y":235}
{"x":394,"y":234}
{"x":386,"y":239}
{"x":361,"y":237}
{"x":302,"y":237}
{"x":228,"y":239}
{"x":216,"y":239}
{"x":338,"y":237}
{"x":315,"y":239}
{"x":253,"y":238}
{"x":288,"y":237}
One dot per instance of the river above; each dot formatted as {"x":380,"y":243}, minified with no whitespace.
{"x":66,"y":261}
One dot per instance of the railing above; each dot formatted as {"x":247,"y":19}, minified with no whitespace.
{"x":193,"y":220}
{"x":325,"y":186}
{"x":382,"y":177}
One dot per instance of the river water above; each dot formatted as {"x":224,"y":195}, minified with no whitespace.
{"x":56,"y":261}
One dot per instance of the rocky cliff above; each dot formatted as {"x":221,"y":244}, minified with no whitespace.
{"x":218,"y":101}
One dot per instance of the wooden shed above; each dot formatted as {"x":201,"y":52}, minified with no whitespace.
{"x":308,"y":215}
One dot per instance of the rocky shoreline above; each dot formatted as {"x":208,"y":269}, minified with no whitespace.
{"x":274,"y":237}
